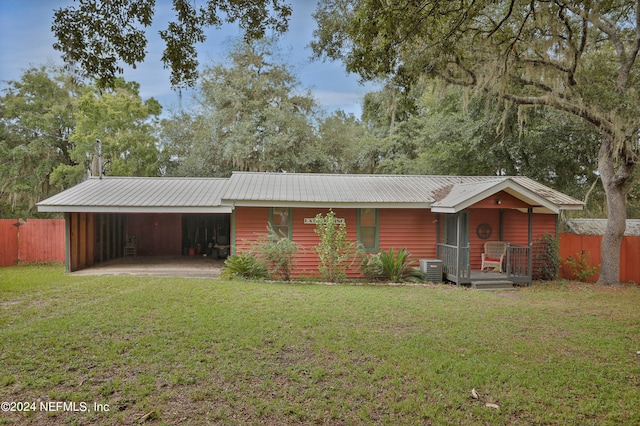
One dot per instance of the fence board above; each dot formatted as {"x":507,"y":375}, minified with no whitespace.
{"x":630,"y":259}
{"x":8,"y":242}
{"x":573,"y":244}
{"x":41,"y":240}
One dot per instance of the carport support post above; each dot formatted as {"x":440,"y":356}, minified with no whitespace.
{"x":459,"y":244}
{"x":530,"y":241}
{"x":67,"y":251}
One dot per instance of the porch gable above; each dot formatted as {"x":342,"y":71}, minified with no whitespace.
{"x":464,"y":195}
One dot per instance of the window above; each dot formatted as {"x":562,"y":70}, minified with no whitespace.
{"x":368,"y":228}
{"x":281,"y":221}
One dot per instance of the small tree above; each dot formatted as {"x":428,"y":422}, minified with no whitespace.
{"x":580,"y":266}
{"x":334,"y":249}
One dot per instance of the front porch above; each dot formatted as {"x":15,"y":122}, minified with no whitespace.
{"x":457,"y":268}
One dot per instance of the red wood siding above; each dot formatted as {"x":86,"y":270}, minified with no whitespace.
{"x":41,"y":240}
{"x":81,"y":240}
{"x":251,"y":222}
{"x":476,"y":244}
{"x":157,"y":234}
{"x":94,"y":238}
{"x":544,"y":223}
{"x":516,"y":227}
{"x":572,"y":245}
{"x":307,"y":260}
{"x":248,"y":223}
{"x":507,"y":201}
{"x":413,"y":229}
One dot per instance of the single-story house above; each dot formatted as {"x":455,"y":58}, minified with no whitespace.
{"x":443,"y":218}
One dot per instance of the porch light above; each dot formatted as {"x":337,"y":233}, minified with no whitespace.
{"x":498,"y":201}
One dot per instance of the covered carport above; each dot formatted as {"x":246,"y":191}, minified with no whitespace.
{"x":159,"y":217}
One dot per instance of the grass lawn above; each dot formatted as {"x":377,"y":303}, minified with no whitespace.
{"x":161,"y":350}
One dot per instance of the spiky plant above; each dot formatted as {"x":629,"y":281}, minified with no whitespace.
{"x":397,"y":267}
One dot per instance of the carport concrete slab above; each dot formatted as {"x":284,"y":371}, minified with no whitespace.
{"x":194,"y":267}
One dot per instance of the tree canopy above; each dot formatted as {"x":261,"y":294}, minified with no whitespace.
{"x":252,"y":115}
{"x":101,"y":35}
{"x":49,"y":123}
{"x":122,"y":122}
{"x":36,"y":121}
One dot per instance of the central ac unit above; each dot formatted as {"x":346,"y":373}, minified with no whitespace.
{"x":432,"y":269}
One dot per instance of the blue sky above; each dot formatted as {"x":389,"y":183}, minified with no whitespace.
{"x":26,"y":40}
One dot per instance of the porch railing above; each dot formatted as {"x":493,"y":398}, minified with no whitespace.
{"x":454,"y":262}
{"x":519,"y":261}
{"x":456,"y":265}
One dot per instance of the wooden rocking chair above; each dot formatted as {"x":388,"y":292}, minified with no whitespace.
{"x":493,"y":256}
{"x":131,"y":246}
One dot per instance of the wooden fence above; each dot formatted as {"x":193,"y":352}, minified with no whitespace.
{"x":33,"y":240}
{"x":589,"y":247}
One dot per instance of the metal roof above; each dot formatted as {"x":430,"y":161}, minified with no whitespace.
{"x":191,"y":195}
{"x":140,"y":194}
{"x":253,"y":188}
{"x":597,"y":226}
{"x":249,"y":188}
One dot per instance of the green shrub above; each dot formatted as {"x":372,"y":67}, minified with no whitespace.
{"x":397,"y":267}
{"x":371,"y":266}
{"x":546,"y":264}
{"x":244,"y":265}
{"x":277,"y":252}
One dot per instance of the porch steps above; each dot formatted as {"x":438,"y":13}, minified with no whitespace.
{"x":493,"y":285}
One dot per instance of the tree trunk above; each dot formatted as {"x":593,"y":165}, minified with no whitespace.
{"x":613,"y":181}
